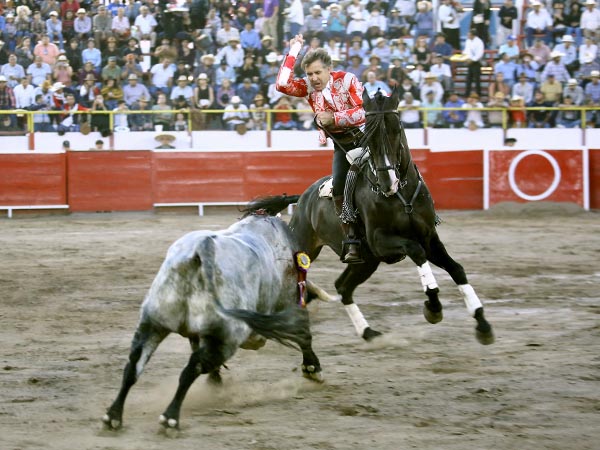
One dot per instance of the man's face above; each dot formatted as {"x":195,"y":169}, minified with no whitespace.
{"x":12,"y":59}
{"x":38,"y":61}
{"x":71,"y":100}
{"x":318,"y":75}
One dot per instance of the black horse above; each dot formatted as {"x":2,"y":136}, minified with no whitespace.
{"x":398,"y":219}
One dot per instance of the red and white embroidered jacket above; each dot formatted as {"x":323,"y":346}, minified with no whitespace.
{"x":342,"y":96}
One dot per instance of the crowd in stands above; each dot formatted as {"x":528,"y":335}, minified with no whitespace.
{"x":178,"y":59}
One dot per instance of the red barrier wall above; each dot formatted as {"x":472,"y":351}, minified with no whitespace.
{"x":110,"y":181}
{"x":594,"y":178}
{"x":27,"y":179}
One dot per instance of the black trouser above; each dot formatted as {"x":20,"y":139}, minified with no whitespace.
{"x":474,"y":76}
{"x":452,"y":37}
{"x":340,"y":168}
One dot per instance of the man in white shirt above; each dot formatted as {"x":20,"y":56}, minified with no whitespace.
{"x":442,"y":71}
{"x":226,"y":33}
{"x":449,"y":18}
{"x":233,"y":53}
{"x":82,"y":25}
{"x":183,"y":89}
{"x":24,"y":94}
{"x":236,"y":113}
{"x":474,"y":50}
{"x":538,"y":21}
{"x":590,"y":20}
{"x":162,"y":77}
{"x":145,"y":23}
{"x":409,"y":114}
{"x":39,"y":71}
{"x":12,"y":71}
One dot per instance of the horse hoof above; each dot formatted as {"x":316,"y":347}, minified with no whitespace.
{"x":168,"y":423}
{"x":431,"y":316}
{"x":485,"y":337}
{"x":315,"y":376}
{"x":111,"y":424}
{"x":369,"y":334}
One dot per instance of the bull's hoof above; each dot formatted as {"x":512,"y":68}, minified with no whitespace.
{"x":214,"y":378}
{"x":432,"y":316}
{"x":485,"y":337}
{"x":369,"y":334}
{"x":111,"y":423}
{"x":168,"y":423}
{"x":312,"y":373}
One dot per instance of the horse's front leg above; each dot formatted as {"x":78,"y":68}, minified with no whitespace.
{"x":439,"y":256}
{"x":354,"y":275}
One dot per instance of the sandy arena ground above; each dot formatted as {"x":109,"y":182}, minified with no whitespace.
{"x":72,"y":286}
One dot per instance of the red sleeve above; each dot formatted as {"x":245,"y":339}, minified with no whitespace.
{"x":286,"y":83}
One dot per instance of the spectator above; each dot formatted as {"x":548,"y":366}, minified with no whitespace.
{"x":407,"y":85}
{"x":258,"y":115}
{"x":375,"y":67}
{"x":506,"y":16}
{"x":91,"y":53}
{"x":433,"y":117}
{"x":71,"y":121}
{"x":249,"y":38}
{"x":508,"y":68}
{"x":480,"y":20}
{"x":382,"y":50}
{"x":224,"y":72}
{"x":120,"y":26}
{"x":271,"y":23}
{"x":398,"y":25}
{"x":24,"y":94}
{"x":592,"y":90}
{"x":88,"y":91}
{"x":23,"y":22}
{"x":68,"y":22}
{"x":334,"y":48}
{"x":47,"y":50}
{"x":496,"y":118}
{"x":98,"y":145}
{"x":207,"y":66}
{"x":373,"y":85}
{"x":132,"y":48}
{"x":162,"y":77}
{"x":569,"y":52}
{"x":409,"y":114}
{"x":111,"y":70}
{"x":442,"y":71}
{"x":145,"y":24}
{"x":336,"y":22}
{"x":417,"y":75}
{"x":247,"y":92}
{"x":551,"y":89}
{"x":432,"y":84}
{"x":133,"y":91}
{"x":39,"y":71}
{"x":424,"y":25}
{"x":232,"y":53}
{"x":141,"y":121}
{"x":131,"y":66}
{"x":204,"y":98}
{"x":224,"y":93}
{"x":474,"y":117}
{"x":9,"y":33}
{"x":258,"y":22}
{"x":41,"y":122}
{"x":403,"y":51}
{"x":284,"y":120}
{"x":102,"y":26}
{"x":248,"y":70}
{"x":573,"y":21}
{"x":449,"y":17}
{"x":24,"y":53}
{"x":268,"y":71}
{"x":100,"y":121}
{"x":12,"y":71}
{"x":112,"y":93}
{"x":499,"y":85}
{"x":68,"y":5}
{"x":556,"y":68}
{"x":395,"y":73}
{"x":88,"y":69}
{"x":235,"y":113}
{"x":473,"y":51}
{"x":111,"y":49}
{"x":54,"y":28}
{"x":454,"y":118}
{"x":523,"y":89}
{"x":540,"y":52}
{"x":510,"y":47}
{"x":73,"y":54}
{"x":121,"y":118}
{"x":588,"y":51}
{"x":113,"y":7}
{"x":539,"y":118}
{"x":590,"y":20}
{"x":82,"y":25}
{"x":356,"y":26}
{"x":376,"y":24}
{"x":568,"y":116}
{"x":529,"y":68}
{"x":49,"y":6}
{"x":63,"y":72}
{"x":163,"y":119}
{"x":358,"y":49}
{"x":7,"y":126}
{"x":165,"y":141}
{"x":573,"y":90}
{"x":441,"y":47}
{"x":517,"y":113}
{"x":558,"y":20}
{"x":182,"y":89}
{"x":226,"y":33}
{"x":45,"y":91}
{"x":538,"y":22}
{"x":37,"y":27}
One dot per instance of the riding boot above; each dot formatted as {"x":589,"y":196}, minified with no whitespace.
{"x":350,"y":245}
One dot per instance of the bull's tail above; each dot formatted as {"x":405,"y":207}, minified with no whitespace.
{"x":289,"y":327}
{"x":271,"y":205}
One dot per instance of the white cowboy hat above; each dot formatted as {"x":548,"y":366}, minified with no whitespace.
{"x":57,"y":86}
{"x":572,"y":82}
{"x":568,"y":38}
{"x":556,"y":54}
{"x":236,"y":99}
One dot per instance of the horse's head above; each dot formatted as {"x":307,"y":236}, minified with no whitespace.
{"x":384,"y":138}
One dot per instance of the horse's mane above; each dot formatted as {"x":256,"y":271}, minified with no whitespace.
{"x":378,"y":104}
{"x":270,"y":205}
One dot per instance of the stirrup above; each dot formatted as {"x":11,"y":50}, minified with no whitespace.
{"x":345,"y":252}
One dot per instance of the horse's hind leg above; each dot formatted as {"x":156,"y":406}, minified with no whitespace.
{"x":215,"y":376}
{"x":311,"y":367}
{"x":145,"y":341}
{"x":440,"y":257}
{"x":354,"y":275}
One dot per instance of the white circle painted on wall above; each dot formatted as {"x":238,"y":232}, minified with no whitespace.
{"x":513,"y":167}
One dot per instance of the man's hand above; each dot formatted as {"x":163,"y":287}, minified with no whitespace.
{"x":297,"y":38}
{"x":325,"y":118}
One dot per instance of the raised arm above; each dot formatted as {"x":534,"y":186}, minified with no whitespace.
{"x":285,"y":81}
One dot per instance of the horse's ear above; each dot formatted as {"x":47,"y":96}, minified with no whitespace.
{"x":394,"y":96}
{"x":365,"y":97}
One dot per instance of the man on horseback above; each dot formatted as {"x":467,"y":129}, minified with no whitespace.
{"x":336,"y":99}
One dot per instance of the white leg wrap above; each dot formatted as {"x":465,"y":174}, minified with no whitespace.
{"x":470,"y":297}
{"x":427,"y":278}
{"x":358,"y":320}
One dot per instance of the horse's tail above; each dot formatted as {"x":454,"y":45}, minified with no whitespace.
{"x":270,"y":205}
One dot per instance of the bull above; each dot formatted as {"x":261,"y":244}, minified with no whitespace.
{"x":222,"y":290}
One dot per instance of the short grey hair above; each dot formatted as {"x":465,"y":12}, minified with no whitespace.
{"x":317,"y":54}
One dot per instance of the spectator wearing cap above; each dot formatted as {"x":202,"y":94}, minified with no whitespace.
{"x":474,"y":117}
{"x":246,"y":92}
{"x":249,"y":38}
{"x":567,"y":48}
{"x":383,"y":50}
{"x":538,"y":22}
{"x":92,"y":53}
{"x":258,"y":115}
{"x":235,"y":113}
{"x":398,"y":25}
{"x":409,"y":114}
{"x":336,"y":23}
{"x":226,"y":33}
{"x":111,"y":70}
{"x":49,"y":6}
{"x":141,"y":121}
{"x":82,"y":25}
{"x":204,"y":98}
{"x":358,"y":48}
{"x":63,"y":71}
{"x":162,"y":76}
{"x":24,"y":94}
{"x":54,"y":29}
{"x":424,"y":23}
{"x":266,"y":46}
{"x":357,"y":26}
{"x":134,"y":90}
{"x":182,"y":88}
{"x":47,"y":50}
{"x":433,"y":84}
{"x":441,"y":47}
{"x":508,"y":68}
{"x":102,"y":25}
{"x":442,"y":71}
{"x":145,"y":25}
{"x":88,"y":91}
{"x":506,"y":16}
{"x":120,"y":25}
{"x":112,"y":92}
{"x":313,"y":24}
{"x":556,"y":68}
{"x":592,"y":89}
{"x":270,"y":69}
{"x":523,"y":88}
{"x":207,"y":66}
{"x":454,"y":118}
{"x":510,"y":47}
{"x":39,"y":71}
{"x":590,"y":20}
{"x":45,"y":90}
{"x":356,"y":67}
{"x":573,"y":90}
{"x":12,"y":71}
{"x":232,"y":53}
{"x":375,"y":67}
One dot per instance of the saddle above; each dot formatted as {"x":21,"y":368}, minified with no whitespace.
{"x":355,"y":156}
